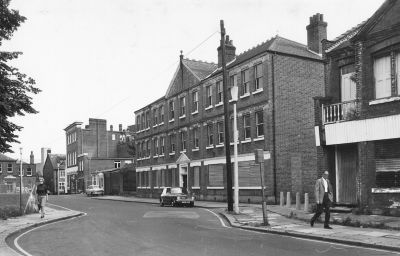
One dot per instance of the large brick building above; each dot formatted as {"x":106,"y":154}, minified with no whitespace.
{"x":10,"y":174}
{"x":360,"y":123}
{"x":180,"y":137}
{"x":95,"y":155}
{"x":54,"y":171}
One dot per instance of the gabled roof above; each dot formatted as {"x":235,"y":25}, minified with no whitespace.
{"x":57,"y":158}
{"x":343,"y":40}
{"x":280,"y":45}
{"x":200,"y":69}
{"x":6,"y":158}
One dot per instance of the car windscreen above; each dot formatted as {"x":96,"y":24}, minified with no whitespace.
{"x":176,"y":190}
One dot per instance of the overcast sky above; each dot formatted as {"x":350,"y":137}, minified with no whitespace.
{"x":106,"y":59}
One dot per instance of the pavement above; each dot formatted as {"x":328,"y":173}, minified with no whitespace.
{"x":372,"y":231}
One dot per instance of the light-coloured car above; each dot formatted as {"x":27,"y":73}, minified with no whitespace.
{"x":94,"y":190}
{"x":176,"y":197}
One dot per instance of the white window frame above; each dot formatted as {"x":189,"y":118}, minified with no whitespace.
{"x":210,"y":135}
{"x":245,"y":82}
{"x":9,"y":167}
{"x":259,"y":125}
{"x":117,"y":164}
{"x":246,"y":128}
{"x":258,"y":77}
{"x":182,"y":105}
{"x":220,"y":131}
{"x":382,"y":75}
{"x":196,"y":137}
{"x":195,"y":96}
{"x":171,"y":107}
{"x":347,"y":87}
{"x":208,"y":96}
{"x":220,"y":94}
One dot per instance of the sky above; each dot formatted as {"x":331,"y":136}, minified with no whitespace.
{"x":106,"y":59}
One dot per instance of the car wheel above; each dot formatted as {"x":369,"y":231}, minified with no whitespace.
{"x":173,"y":203}
{"x":191,"y":204}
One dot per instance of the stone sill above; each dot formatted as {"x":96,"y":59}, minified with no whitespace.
{"x":385,"y":190}
{"x":209,"y":107}
{"x":245,"y":95}
{"x":258,"y":91}
{"x":384,"y":100}
{"x":219,"y":104}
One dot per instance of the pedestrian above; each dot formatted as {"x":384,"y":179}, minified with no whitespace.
{"x":42,"y":196}
{"x":324,"y":198}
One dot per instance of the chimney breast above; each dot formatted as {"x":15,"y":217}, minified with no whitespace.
{"x":230,"y":51}
{"x":316,"y":32}
{"x":32,"y":158}
{"x":111,"y":128}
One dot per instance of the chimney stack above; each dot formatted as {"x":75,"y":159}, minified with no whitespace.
{"x":230,"y":51}
{"x":111,"y":128}
{"x":120,"y":127}
{"x":49,"y":151}
{"x":316,"y":32}
{"x":32,"y":158}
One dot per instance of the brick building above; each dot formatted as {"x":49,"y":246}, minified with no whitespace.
{"x":93,"y":153}
{"x":54,"y":171}
{"x":10,"y":174}
{"x":180,"y":137}
{"x":360,"y":124}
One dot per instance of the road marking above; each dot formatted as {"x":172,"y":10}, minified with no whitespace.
{"x":171,"y":214}
{"x":26,"y":232}
{"x":220,"y":219}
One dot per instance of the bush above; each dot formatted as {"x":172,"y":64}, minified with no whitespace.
{"x":9,"y":211}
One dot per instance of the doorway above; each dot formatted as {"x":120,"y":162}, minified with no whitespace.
{"x":183,"y":177}
{"x":346,"y":172}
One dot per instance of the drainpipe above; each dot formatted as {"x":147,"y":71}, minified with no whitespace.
{"x":273,"y":125}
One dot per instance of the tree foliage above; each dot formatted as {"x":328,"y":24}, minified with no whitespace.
{"x":15,"y":87}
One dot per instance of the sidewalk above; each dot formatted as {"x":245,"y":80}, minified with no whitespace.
{"x":13,"y":225}
{"x":374,"y":231}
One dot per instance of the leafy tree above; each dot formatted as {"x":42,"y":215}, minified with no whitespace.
{"x":15,"y":87}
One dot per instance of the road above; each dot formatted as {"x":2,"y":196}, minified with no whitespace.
{"x":126,"y":228}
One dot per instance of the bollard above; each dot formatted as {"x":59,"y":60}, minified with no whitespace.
{"x":297,"y":201}
{"x":306,"y":203}
{"x":288,"y":200}
{"x":282,"y":200}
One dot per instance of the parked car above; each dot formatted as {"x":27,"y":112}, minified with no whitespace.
{"x":94,"y":190}
{"x":176,"y":196}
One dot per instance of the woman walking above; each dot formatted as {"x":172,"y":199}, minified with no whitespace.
{"x":42,"y":196}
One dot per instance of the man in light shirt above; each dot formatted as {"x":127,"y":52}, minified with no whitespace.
{"x":324,"y":198}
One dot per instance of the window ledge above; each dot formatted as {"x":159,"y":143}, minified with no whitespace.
{"x":215,"y":188}
{"x":155,"y":156}
{"x":210,"y":147}
{"x":181,"y":117}
{"x":172,"y":120}
{"x":195,"y":149}
{"x":259,"y":138}
{"x":219,"y":104}
{"x":171,"y":154}
{"x":147,"y":129}
{"x":154,"y":126}
{"x":183,"y":151}
{"x":384,"y":100}
{"x":245,"y":95}
{"x":209,"y":107}
{"x":219,"y":145}
{"x":195,"y":112}
{"x":195,"y":187}
{"x":385,"y":190}
{"x":245,"y":141}
{"x":258,"y":91}
{"x":161,"y":155}
{"x":162,"y":123}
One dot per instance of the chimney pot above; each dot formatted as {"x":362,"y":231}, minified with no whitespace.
{"x":230,"y":51}
{"x":32,"y":158}
{"x":111,"y":128}
{"x":120,"y":127}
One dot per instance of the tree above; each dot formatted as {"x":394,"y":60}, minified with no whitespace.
{"x":15,"y":87}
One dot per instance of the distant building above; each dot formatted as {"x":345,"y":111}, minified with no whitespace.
{"x":10,"y":174}
{"x":54,"y":171}
{"x":359,"y":122}
{"x":180,"y":137}
{"x":95,"y":155}
{"x":43,"y":156}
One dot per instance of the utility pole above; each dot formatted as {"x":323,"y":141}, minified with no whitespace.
{"x":20,"y":183}
{"x":226,"y":118}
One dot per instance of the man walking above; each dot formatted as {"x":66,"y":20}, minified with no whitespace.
{"x":324,"y":198}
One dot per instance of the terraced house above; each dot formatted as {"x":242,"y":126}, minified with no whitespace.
{"x":360,"y":124}
{"x":180,"y":136}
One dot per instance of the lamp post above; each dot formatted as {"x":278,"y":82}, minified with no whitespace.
{"x":20,"y":183}
{"x":58,"y":179}
{"x":234,"y":94}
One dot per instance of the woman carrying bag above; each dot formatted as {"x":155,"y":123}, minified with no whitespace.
{"x":42,"y":196}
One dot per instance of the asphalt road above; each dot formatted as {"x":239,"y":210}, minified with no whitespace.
{"x":126,"y":228}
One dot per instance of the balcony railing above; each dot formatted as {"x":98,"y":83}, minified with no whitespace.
{"x":338,"y":112}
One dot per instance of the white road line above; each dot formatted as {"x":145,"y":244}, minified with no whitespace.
{"x":220,"y":219}
{"x":26,"y":232}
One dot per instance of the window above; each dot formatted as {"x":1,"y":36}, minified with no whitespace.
{"x":220,"y":128}
{"x":147,"y":119}
{"x":348,"y":86}
{"x":172,"y":143}
{"x":29,"y":171}
{"x":143,"y":122}
{"x":143,"y":149}
{"x":196,"y":176}
{"x":215,"y":175}
{"x":182,"y":104}
{"x":232,"y":82}
{"x":62,"y":173}
{"x":208,"y":96}
{"x":155,"y":116}
{"x":9,"y":168}
{"x":162,"y":144}
{"x":113,"y":136}
{"x":210,"y":135}
{"x":387,"y":163}
{"x":183,"y":140}
{"x":148,"y":148}
{"x":171,"y":110}
{"x":195,"y":98}
{"x":138,"y":123}
{"x":1,"y":168}
{"x":382,"y":77}
{"x":398,"y":72}
{"x":258,"y":81}
{"x":81,"y":163}
{"x":219,"y":92}
{"x":259,"y":124}
{"x":196,"y":137}
{"x":117,"y":164}
{"x":155,"y":146}
{"x":245,"y":81}
{"x":161,"y":114}
{"x":246,"y":127}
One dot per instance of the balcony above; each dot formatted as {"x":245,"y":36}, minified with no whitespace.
{"x":339,"y":112}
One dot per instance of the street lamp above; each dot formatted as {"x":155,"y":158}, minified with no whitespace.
{"x":234,"y":94}
{"x":20,"y":184}
{"x":58,"y":179}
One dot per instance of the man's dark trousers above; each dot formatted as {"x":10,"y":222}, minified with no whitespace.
{"x":326,"y":204}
